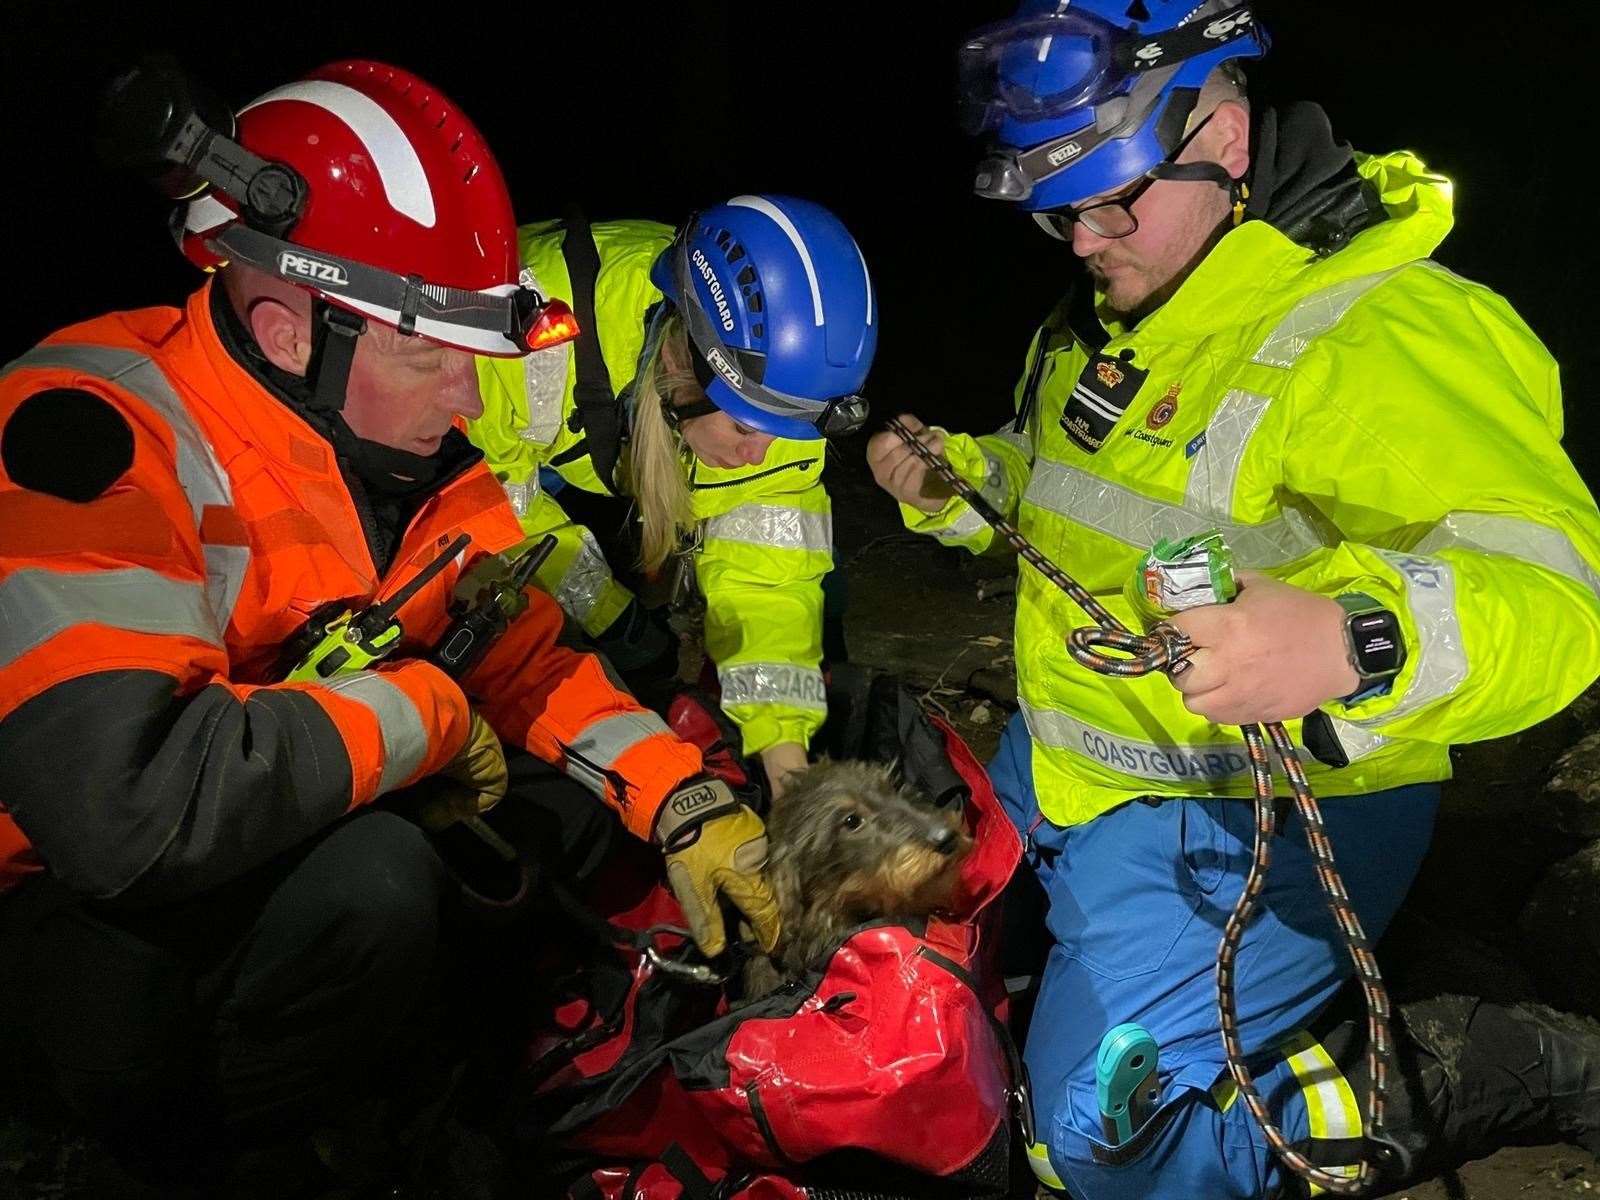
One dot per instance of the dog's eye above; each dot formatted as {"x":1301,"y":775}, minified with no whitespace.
{"x":852,"y":821}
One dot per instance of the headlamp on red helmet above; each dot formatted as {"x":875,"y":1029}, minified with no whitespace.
{"x":360,"y":183}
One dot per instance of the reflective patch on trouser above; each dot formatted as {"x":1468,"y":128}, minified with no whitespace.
{"x":1039,"y":1164}
{"x":1332,"y":1114}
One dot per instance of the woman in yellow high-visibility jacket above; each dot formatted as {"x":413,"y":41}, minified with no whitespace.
{"x":712,"y":365}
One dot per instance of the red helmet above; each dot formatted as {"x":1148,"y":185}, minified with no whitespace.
{"x":400,"y":215}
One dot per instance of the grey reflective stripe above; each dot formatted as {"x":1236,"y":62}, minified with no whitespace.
{"x":522,"y":495}
{"x":590,"y":778}
{"x":1356,"y":742}
{"x":1133,"y":756}
{"x":607,"y":740}
{"x":1020,"y":441}
{"x":1439,"y":655}
{"x":1515,"y":537}
{"x":544,"y":374}
{"x":1206,"y":761}
{"x":777,"y":526}
{"x":405,"y":742}
{"x":202,"y":478}
{"x":967,"y":523}
{"x":1140,"y":522}
{"x":1214,"y":474}
{"x":544,"y":377}
{"x":584,"y":580}
{"x":1313,"y":316}
{"x":37,"y":604}
{"x":773,"y":683}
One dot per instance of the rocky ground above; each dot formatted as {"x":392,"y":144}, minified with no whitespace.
{"x":1508,"y":903}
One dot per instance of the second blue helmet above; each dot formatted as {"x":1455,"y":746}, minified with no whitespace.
{"x":1083,"y":99}
{"x":778,"y":303}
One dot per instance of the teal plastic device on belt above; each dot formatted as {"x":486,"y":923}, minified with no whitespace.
{"x":1125,"y":1081}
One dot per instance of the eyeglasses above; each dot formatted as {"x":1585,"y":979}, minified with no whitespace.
{"x":1113,"y":218}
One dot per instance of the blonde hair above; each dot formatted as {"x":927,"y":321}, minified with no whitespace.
{"x":655,"y":463}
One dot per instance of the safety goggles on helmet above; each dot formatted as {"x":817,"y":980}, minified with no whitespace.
{"x":1045,"y":65}
{"x":737,"y":369}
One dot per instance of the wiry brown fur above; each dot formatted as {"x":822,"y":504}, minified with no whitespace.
{"x":849,"y":845}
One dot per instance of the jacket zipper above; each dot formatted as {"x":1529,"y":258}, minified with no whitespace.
{"x":805,"y":465}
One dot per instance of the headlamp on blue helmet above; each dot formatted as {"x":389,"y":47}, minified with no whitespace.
{"x":779,"y":308}
{"x":1085,"y":98}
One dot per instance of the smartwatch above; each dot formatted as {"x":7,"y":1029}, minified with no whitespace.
{"x":1372,"y":643}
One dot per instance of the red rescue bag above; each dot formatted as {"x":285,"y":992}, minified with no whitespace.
{"x":886,"y":1071}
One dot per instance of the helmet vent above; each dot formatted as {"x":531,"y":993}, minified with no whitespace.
{"x":735,"y":252}
{"x":747,"y":276}
{"x":1138,"y":12}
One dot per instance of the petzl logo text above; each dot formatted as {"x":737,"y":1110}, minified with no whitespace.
{"x":724,"y":368}
{"x":300,"y":266}
{"x":686,"y":804}
{"x":1064,"y":153}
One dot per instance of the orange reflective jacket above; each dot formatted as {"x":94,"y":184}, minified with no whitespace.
{"x":145,"y":747}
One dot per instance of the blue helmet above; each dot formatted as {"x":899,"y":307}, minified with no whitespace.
{"x":1084,"y":98}
{"x":780,"y":313}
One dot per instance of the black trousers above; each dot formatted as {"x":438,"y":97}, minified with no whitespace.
{"x":258,"y":1010}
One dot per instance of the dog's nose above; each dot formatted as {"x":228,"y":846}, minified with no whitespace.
{"x":944,"y":840}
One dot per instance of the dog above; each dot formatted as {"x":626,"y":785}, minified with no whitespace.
{"x":848,"y":845}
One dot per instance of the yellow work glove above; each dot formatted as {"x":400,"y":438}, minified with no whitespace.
{"x":716,"y":845}
{"x":471,"y":783}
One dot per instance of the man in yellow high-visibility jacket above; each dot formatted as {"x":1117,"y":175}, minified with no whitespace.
{"x":1269,"y":351}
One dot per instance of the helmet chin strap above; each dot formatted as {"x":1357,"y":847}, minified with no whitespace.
{"x":1202,"y":172}
{"x":333,"y":348}
{"x":383,"y":469}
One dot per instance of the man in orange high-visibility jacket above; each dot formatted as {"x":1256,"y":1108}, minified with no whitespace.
{"x":199,"y":899}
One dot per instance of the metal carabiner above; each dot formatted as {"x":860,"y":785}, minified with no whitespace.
{"x":701,"y":973}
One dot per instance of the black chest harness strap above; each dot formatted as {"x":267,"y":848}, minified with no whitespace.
{"x":598,"y":413}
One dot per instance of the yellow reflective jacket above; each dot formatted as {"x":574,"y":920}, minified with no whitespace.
{"x":1362,"y":422}
{"x":766,"y":534}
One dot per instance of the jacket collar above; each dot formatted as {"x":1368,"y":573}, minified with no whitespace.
{"x":1255,"y":270}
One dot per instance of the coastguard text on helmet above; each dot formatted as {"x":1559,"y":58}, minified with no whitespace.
{"x":706,"y":273}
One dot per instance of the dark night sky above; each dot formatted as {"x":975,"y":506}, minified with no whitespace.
{"x":650,"y":110}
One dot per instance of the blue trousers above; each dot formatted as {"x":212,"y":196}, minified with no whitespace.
{"x":1137,"y":901}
